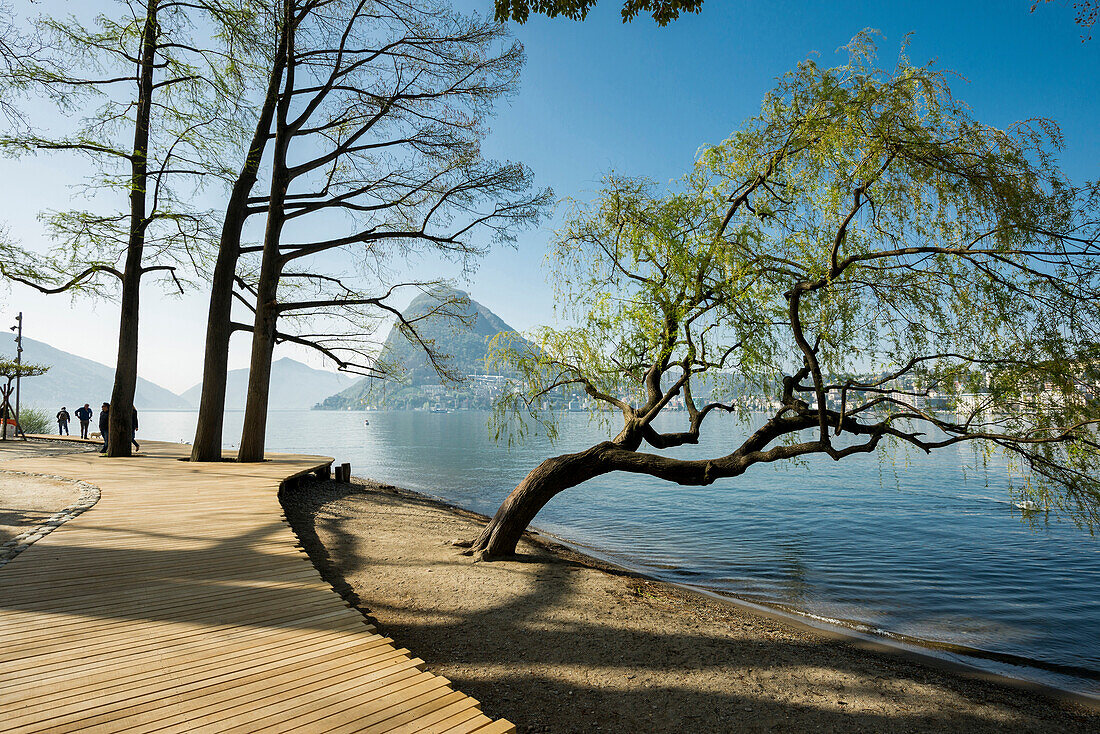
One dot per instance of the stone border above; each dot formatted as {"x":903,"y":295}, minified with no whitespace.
{"x":89,"y":496}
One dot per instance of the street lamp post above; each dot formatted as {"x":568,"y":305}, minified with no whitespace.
{"x":18,"y":329}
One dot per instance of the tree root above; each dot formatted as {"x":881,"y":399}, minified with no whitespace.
{"x":480,"y":554}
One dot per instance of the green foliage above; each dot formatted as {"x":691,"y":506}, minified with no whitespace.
{"x":859,"y":248}
{"x":33,"y":420}
{"x":662,"y":11}
{"x":9,"y":370}
{"x":88,"y":70}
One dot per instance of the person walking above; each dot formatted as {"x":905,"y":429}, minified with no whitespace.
{"x":63,"y":421}
{"x":84,"y":415}
{"x":104,"y":424}
{"x":133,"y":430}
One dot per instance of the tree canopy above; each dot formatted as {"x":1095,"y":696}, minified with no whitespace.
{"x":10,"y":369}
{"x":149,"y":99}
{"x":861,"y":247}
{"x":662,"y":11}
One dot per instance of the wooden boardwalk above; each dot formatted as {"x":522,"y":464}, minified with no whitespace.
{"x":180,"y":603}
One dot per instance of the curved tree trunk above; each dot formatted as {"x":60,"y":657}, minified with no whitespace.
{"x":500,"y":536}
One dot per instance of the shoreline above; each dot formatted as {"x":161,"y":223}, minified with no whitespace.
{"x":361,"y":531}
{"x":956,"y":658}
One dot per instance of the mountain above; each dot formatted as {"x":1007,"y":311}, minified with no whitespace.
{"x":294,"y":386}
{"x":466,"y":341}
{"x":73,"y":381}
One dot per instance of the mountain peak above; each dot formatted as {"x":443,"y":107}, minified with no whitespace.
{"x":465,"y":339}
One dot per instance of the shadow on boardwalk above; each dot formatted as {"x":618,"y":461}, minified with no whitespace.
{"x":179,"y":603}
{"x":168,"y":584}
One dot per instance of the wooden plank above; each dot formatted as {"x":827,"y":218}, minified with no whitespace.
{"x":133,"y":703}
{"x":313,"y":699}
{"x":144,"y":654}
{"x":183,"y":602}
{"x":131,"y":671}
{"x":213,"y":708}
{"x":461,"y":711}
{"x":500,"y":726}
{"x":76,"y":613}
{"x":122,"y":635}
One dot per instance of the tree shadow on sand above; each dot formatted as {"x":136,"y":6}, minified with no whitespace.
{"x":532,"y":667}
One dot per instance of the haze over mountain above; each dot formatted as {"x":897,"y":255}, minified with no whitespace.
{"x":466,"y":341}
{"x":294,"y":386}
{"x":73,"y":381}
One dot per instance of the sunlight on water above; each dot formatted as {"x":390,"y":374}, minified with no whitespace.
{"x":911,"y":545}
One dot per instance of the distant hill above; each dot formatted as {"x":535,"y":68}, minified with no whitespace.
{"x":73,"y":381}
{"x":294,"y":386}
{"x":467,"y":343}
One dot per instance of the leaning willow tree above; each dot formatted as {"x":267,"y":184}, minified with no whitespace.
{"x":860,"y":245}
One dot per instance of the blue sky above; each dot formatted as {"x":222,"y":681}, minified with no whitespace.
{"x":600,"y":96}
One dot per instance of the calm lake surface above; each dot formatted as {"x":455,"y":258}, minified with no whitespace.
{"x":917,"y":546}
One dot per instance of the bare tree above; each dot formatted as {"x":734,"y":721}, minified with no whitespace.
{"x":377,"y":128}
{"x":268,"y":48}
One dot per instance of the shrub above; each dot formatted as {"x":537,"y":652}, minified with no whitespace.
{"x":33,"y":420}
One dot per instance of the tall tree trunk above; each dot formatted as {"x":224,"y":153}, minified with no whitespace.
{"x":120,"y":428}
{"x":253,"y":434}
{"x":271,"y":268}
{"x":254,"y":431}
{"x":208,"y":432}
{"x":500,"y":536}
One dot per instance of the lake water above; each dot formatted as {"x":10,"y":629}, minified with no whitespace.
{"x":915,"y":547}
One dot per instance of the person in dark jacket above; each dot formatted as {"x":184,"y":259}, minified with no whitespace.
{"x":84,"y":415}
{"x":133,"y":430}
{"x":63,"y":421}
{"x":104,"y":424}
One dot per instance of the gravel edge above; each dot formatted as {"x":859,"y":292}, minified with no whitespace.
{"x":89,"y":496}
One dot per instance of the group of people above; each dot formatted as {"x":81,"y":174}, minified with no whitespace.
{"x":84,"y":415}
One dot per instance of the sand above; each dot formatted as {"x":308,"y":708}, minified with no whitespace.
{"x":556,"y":642}
{"x":28,"y":501}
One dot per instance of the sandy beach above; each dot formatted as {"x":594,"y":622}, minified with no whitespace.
{"x":557,"y":642}
{"x":27,"y":501}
